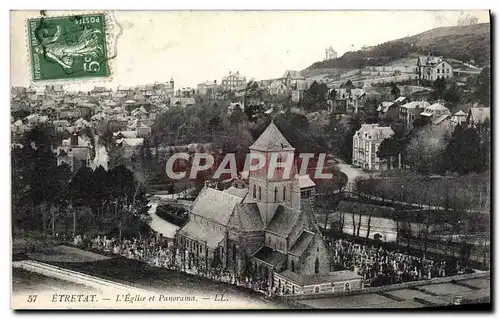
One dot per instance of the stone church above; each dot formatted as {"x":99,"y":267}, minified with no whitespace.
{"x":267,"y":221}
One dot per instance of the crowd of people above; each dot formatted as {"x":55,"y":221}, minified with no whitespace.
{"x":379,"y":266}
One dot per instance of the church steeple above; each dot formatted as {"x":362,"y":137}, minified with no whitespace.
{"x":270,"y":186}
{"x":271,"y":140}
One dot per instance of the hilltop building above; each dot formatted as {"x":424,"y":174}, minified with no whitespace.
{"x":233,"y":82}
{"x":431,"y":68}
{"x":330,"y":54}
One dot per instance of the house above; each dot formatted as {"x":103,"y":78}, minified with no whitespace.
{"x":366,"y":142}
{"x":141,"y":129}
{"x":18,"y":92}
{"x":298,"y":89}
{"x":291,"y":77}
{"x":182,"y":101}
{"x":101,"y":91}
{"x":166,"y":89}
{"x":432,"y":68}
{"x":279,"y":88}
{"x":140,"y":113}
{"x":233,"y":81}
{"x":80,"y":124}
{"x":459,"y":117}
{"x":478,"y":115}
{"x":390,"y":110}
{"x":269,"y":227}
{"x":130,"y":145}
{"x":54,"y":90}
{"x":233,"y":105}
{"x":18,"y":128}
{"x":124,"y":134}
{"x":436,"y":113}
{"x":386,"y":110}
{"x":61,"y":125}
{"x":356,"y":101}
{"x":208,"y":89}
{"x":411,"y":111}
{"x":75,"y":151}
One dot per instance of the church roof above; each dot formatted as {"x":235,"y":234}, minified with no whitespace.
{"x":269,"y":255}
{"x":271,"y":140}
{"x":202,"y":233}
{"x":240,"y":192}
{"x":301,"y":244}
{"x":215,"y":205}
{"x":246,"y":217}
{"x":283,"y":221}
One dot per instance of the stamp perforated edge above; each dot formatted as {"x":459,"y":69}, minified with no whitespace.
{"x":111,"y":47}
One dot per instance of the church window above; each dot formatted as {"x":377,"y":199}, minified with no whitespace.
{"x":347,"y":286}
{"x":254,"y":191}
{"x":234,"y":252}
{"x":316,"y":290}
{"x":276,"y":194}
{"x":284,"y":193}
{"x":316,"y":266}
{"x":293,"y":265}
{"x":260,"y":193}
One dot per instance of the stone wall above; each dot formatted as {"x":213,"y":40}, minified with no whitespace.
{"x":390,"y":287}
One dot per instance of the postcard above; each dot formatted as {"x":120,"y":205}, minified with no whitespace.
{"x":250,"y":160}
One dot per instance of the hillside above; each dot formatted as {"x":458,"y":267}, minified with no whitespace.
{"x":463,"y":43}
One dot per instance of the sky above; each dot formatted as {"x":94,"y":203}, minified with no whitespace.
{"x":197,"y":46}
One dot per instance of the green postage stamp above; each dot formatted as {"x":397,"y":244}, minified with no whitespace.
{"x":68,"y":47}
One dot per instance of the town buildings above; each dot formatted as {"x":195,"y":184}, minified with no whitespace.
{"x":410,"y":111}
{"x":478,"y":115}
{"x":366,"y":142}
{"x":208,"y":89}
{"x":431,"y":68}
{"x":233,"y":82}
{"x":436,"y":113}
{"x":75,"y":151}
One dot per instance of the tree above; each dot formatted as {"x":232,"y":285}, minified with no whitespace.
{"x":388,"y":150}
{"x":315,"y":96}
{"x":439,"y":87}
{"x":425,"y":148}
{"x":482,"y":91}
{"x":348,"y":86}
{"x":395,"y":91}
{"x":38,"y":184}
{"x":332,"y":95}
{"x":465,"y":153}
{"x":237,"y":115}
{"x":452,"y":94}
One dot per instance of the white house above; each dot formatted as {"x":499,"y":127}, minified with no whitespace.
{"x":366,"y":142}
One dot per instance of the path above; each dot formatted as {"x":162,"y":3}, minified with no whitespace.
{"x":351,"y":172}
{"x":160,"y":225}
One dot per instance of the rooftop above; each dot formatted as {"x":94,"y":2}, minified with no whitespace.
{"x":271,"y":140}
